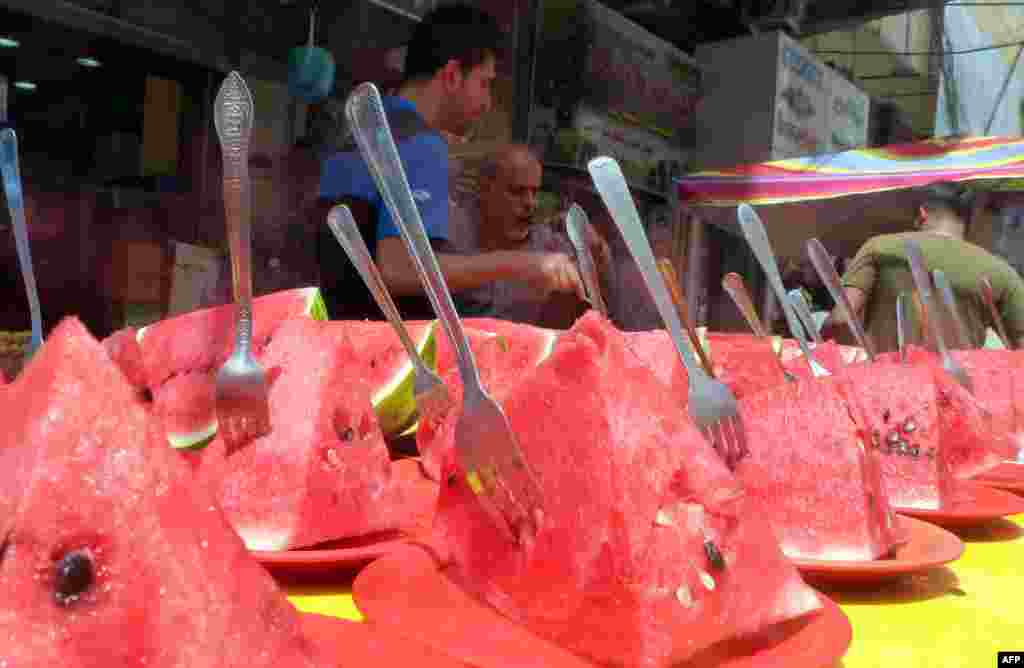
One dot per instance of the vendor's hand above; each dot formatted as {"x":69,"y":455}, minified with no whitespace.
{"x":555,"y":272}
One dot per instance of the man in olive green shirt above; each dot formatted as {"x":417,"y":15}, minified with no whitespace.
{"x":880,"y":272}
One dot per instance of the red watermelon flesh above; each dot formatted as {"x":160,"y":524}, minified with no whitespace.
{"x":619,"y":572}
{"x":123,"y":348}
{"x":383,"y":361}
{"x":994,"y":375}
{"x":655,"y":349}
{"x":896,"y":408}
{"x":967,"y":436}
{"x":811,"y":476}
{"x":746,"y":366}
{"x":435,"y":436}
{"x":203,"y":339}
{"x":323,"y":472}
{"x":982,"y":429}
{"x":743,"y":363}
{"x":524,"y":345}
{"x":186,"y":406}
{"x":113,"y":557}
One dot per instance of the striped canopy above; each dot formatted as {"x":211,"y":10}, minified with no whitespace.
{"x":996,"y":162}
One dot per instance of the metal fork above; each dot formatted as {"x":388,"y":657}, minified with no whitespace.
{"x":484,"y":442}
{"x":243,"y":412}
{"x":901,"y":326}
{"x":923,"y":284}
{"x":830,"y":277}
{"x":949,"y":299}
{"x":668,"y":274}
{"x":16,"y":207}
{"x":985,"y":288}
{"x":575,"y":222}
{"x":753,"y":230}
{"x":429,"y":391}
{"x":804,"y":315}
{"x":734,"y":286}
{"x":712,"y":405}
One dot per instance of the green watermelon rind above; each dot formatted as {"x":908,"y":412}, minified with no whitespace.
{"x":992,"y":340}
{"x":394,"y":403}
{"x":316,"y":308}
{"x":198,"y":439}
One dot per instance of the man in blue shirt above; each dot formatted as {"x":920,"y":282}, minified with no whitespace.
{"x":449,"y":70}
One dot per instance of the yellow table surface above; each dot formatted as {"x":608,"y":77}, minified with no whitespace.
{"x":959,"y":615}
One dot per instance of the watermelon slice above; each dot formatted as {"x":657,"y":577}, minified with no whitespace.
{"x":186,"y":406}
{"x":386,"y":367}
{"x":967,"y":435}
{"x":323,"y":472}
{"x":113,"y":557}
{"x":524,"y":344}
{"x":655,"y":349}
{"x":995,"y":375}
{"x":896,"y":408}
{"x":123,"y":348}
{"x":502,"y":360}
{"x":982,"y":430}
{"x":811,"y":475}
{"x":643,"y":557}
{"x":744,"y":363}
{"x":201,"y":341}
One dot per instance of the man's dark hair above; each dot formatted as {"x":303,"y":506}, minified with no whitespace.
{"x":949,"y":197}
{"x":458,"y":32}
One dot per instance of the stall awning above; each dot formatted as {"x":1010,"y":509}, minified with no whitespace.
{"x":999,"y":160}
{"x":844,"y":198}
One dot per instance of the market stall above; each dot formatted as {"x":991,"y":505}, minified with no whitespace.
{"x":843,"y":199}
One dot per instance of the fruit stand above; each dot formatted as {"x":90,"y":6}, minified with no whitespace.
{"x":844,"y":198}
{"x":579,"y":497}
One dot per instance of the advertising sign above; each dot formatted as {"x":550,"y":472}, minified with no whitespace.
{"x":801,"y":104}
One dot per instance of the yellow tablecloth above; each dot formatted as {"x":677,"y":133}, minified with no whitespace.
{"x":960,"y":615}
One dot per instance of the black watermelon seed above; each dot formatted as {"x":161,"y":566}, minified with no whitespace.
{"x":714,"y":555}
{"x":74,"y":576}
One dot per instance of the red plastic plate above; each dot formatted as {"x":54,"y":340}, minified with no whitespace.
{"x":358,"y":644}
{"x":974,"y":504}
{"x":1008,"y":476}
{"x":407,"y":591}
{"x":927,"y":546}
{"x":353,"y":553}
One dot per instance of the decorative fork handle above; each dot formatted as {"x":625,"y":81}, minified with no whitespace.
{"x":757,"y":238}
{"x":345,"y":230}
{"x":733,"y":285}
{"x":924,"y":288}
{"x":611,"y":185}
{"x":16,"y":206}
{"x":365,"y":114}
{"x":946,"y":290}
{"x":575,"y":222}
{"x":233,"y":114}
